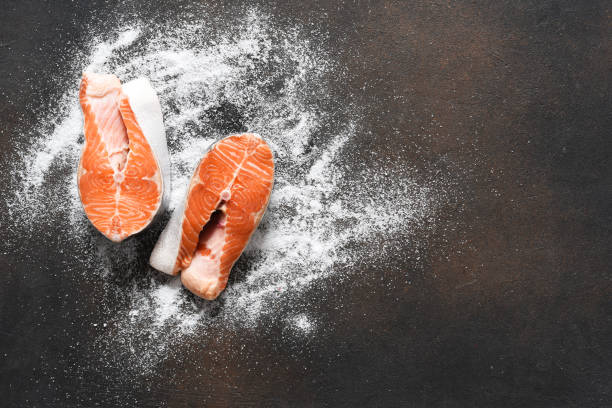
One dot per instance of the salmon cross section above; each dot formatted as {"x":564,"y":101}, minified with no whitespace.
{"x":226,"y":199}
{"x":119,"y":178}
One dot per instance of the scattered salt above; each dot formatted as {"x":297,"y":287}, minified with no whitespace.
{"x":212,"y":81}
{"x":303,"y":324}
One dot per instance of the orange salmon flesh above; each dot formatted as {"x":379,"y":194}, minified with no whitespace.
{"x":225,"y":202}
{"x":119,"y":178}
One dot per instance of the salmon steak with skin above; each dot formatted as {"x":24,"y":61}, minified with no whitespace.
{"x":225,"y":201}
{"x":123,"y":173}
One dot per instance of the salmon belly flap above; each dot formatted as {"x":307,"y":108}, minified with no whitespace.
{"x":226,"y":199}
{"x":119,"y":178}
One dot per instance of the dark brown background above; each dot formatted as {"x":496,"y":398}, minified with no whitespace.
{"x":513,"y":306}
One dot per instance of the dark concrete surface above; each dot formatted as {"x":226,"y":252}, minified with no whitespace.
{"x":514,"y":304}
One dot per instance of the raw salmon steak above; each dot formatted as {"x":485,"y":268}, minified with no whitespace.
{"x":226,"y":198}
{"x":123,"y":174}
